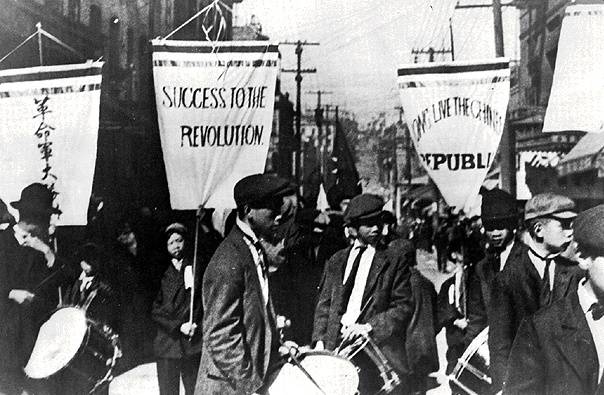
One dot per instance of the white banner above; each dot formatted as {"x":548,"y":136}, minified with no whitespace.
{"x":215,"y":108}
{"x":577,"y":94}
{"x":49,"y":121}
{"x":456,"y":112}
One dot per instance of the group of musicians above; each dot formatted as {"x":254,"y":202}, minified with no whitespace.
{"x":542,"y":309}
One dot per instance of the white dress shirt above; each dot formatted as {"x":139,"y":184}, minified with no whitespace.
{"x":177,"y":263}
{"x":258,"y":259}
{"x":85,"y":281}
{"x":353,"y":310}
{"x":505,"y":254}
{"x":539,"y":264}
{"x":586,"y":300}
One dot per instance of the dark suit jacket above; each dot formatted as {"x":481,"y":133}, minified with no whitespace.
{"x":554,"y":353}
{"x":22,"y":268}
{"x":387,"y":297}
{"x":170,"y":310}
{"x":239,"y":336}
{"x":420,"y":341}
{"x":479,"y":294}
{"x":515,"y":295}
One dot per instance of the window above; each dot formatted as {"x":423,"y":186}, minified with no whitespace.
{"x":95,"y":19}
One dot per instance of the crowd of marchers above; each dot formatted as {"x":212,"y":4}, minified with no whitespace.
{"x":343,"y":277}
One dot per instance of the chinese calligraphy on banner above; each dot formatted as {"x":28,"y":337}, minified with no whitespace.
{"x":49,"y":120}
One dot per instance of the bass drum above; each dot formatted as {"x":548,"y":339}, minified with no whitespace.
{"x":471,"y":374}
{"x":334,"y":374}
{"x":69,"y":340}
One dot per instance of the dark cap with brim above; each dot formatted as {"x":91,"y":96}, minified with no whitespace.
{"x":588,"y":230}
{"x":261,"y":190}
{"x":364,"y":207}
{"x":549,"y":205}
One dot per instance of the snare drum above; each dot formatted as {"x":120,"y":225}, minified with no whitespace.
{"x":335,"y":375}
{"x":69,"y":340}
{"x":471,"y":374}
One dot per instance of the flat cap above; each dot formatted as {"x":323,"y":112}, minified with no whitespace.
{"x":261,"y":190}
{"x":588,"y":229}
{"x":549,"y":205}
{"x":176,"y":227}
{"x":362,"y":207}
{"x":497,"y":204}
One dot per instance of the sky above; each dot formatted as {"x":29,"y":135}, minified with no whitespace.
{"x":363,"y":42}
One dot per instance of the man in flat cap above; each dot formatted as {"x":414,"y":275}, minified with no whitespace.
{"x":240,"y":342}
{"x":560,"y":350}
{"x":365,"y":291}
{"x":26,"y":260}
{"x":534,"y":275}
{"x":499,"y":219}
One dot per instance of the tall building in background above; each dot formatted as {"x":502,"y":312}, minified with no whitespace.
{"x":129,"y":168}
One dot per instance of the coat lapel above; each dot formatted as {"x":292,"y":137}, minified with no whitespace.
{"x":378,"y":264}
{"x":576,"y":343}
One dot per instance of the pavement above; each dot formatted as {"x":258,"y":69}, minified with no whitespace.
{"x":142,"y":380}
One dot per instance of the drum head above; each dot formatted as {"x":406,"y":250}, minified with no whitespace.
{"x":335,"y":375}
{"x":58,"y":342}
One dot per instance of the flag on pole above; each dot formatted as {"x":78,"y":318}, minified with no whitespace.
{"x":49,"y":121}
{"x":342,"y":178}
{"x":456,"y":113}
{"x":577,"y":93}
{"x":215,"y":108}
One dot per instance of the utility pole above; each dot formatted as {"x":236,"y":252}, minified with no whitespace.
{"x":451,"y":39}
{"x":321,"y":137}
{"x":299,"y":71}
{"x":507,"y":147}
{"x":430,"y":52}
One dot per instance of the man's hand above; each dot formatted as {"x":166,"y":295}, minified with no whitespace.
{"x":355,"y":331}
{"x":21,"y":296}
{"x":38,"y":245}
{"x":461,"y":323}
{"x":188,"y":329}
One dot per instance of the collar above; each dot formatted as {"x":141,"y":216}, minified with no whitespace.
{"x":245,"y":228}
{"x":19,"y":234}
{"x":177,"y":263}
{"x":84,"y":276}
{"x":357,"y":244}
{"x":533,"y":251}
{"x":586,"y":296}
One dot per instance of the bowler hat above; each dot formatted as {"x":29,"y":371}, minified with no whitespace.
{"x":363,"y":207}
{"x":261,"y":190}
{"x":549,"y":205}
{"x":588,"y":230}
{"x":497,"y":204}
{"x":36,"y":198}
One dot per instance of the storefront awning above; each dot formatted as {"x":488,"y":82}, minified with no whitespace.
{"x":586,"y":155}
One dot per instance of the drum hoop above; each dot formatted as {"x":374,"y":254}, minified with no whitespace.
{"x":470,"y":351}
{"x":323,"y":353}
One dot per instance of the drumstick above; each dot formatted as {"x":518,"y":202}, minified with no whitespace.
{"x":299,"y":366}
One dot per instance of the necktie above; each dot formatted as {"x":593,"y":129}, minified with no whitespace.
{"x":597,"y":311}
{"x":349,"y":284}
{"x":545,"y":296}
{"x":261,"y":257}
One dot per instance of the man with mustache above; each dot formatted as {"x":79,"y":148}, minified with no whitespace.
{"x":534,"y":276}
{"x":365,"y":291}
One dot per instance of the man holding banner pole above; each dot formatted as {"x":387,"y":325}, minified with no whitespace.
{"x":240,"y":340}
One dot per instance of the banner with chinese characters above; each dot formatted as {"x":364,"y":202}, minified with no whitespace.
{"x":577,"y":93}
{"x":49,"y":121}
{"x":455,"y":112}
{"x":215,"y":108}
